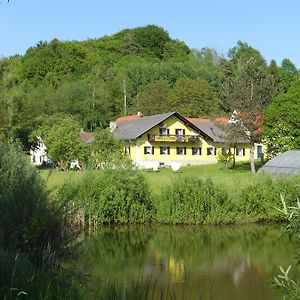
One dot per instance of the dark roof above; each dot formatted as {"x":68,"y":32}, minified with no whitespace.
{"x":285,"y":163}
{"x":213,"y":130}
{"x":131,"y":129}
{"x":210,"y":128}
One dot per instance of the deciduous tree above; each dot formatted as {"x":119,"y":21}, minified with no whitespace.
{"x":282,"y":119}
{"x":249,"y":91}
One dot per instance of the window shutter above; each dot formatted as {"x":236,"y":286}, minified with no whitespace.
{"x":161,"y":152}
{"x":168,"y":147}
{"x":215,"y":151}
{"x":183,"y":131}
{"x":145,"y":150}
{"x":200,"y":151}
{"x":184,"y":150}
{"x":243,"y":151}
{"x":152,"y":149}
{"x":168,"y":130}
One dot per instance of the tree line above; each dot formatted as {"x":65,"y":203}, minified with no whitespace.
{"x":143,"y":69}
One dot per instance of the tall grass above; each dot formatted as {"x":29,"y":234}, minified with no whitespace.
{"x":194,"y":200}
{"x":106,"y":197}
{"x":32,"y":232}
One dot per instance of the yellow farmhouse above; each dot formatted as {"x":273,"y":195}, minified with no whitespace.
{"x":170,"y":138}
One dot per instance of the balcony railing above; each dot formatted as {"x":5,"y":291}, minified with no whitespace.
{"x":173,"y":138}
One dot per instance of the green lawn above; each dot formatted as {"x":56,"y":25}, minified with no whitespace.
{"x":232,"y":179}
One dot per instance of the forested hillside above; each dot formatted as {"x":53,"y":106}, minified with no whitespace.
{"x":141,"y":69}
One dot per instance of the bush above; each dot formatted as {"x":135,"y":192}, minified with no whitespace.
{"x":191,"y":200}
{"x":31,"y":233}
{"x":108,"y":196}
{"x":259,"y":201}
{"x":27,"y":223}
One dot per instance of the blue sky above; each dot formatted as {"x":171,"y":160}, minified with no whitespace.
{"x":272,"y":27}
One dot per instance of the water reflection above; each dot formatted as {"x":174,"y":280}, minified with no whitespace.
{"x":187,"y":262}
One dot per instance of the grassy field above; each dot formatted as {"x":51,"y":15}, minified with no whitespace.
{"x":221,"y":175}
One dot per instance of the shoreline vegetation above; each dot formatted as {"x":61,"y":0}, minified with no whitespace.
{"x":208,"y":194}
{"x":41,"y":218}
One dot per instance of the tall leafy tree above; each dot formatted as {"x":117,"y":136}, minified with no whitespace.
{"x":194,"y":98}
{"x":62,"y":141}
{"x":249,"y":91}
{"x":282,"y":119}
{"x":289,"y":74}
{"x":243,"y":52}
{"x":155,"y":98}
{"x":107,"y":152}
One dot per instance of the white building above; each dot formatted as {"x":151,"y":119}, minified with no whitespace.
{"x":38,"y":154}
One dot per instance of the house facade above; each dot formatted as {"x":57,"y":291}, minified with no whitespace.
{"x":168,"y":139}
{"x":38,"y":154}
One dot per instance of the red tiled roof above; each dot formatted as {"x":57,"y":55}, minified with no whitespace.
{"x":130,"y":117}
{"x":220,"y":119}
{"x":86,"y":136}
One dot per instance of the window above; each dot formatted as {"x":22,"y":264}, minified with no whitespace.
{"x":259,"y":151}
{"x":240,"y":151}
{"x":226,"y":151}
{"x":163,"y":131}
{"x":127,"y":150}
{"x":164,"y":150}
{"x":148,"y":150}
{"x":196,"y":151}
{"x":211,"y":151}
{"x":180,"y":131}
{"x":181,"y":150}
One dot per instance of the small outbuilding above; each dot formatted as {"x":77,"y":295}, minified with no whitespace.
{"x":285,"y":163}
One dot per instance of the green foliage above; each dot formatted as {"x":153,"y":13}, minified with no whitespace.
{"x":249,"y":91}
{"x":26,"y":222}
{"x":109,"y":196}
{"x":199,"y":201}
{"x":32,"y":233}
{"x":243,"y":52}
{"x":152,"y":39}
{"x":194,"y":98}
{"x":282,"y":120}
{"x":62,"y":140}
{"x":284,"y":281}
{"x":85,"y":79}
{"x":20,"y":278}
{"x":259,"y":201}
{"x":155,"y":98}
{"x":190,"y":200}
{"x":107,"y":152}
{"x":289,"y":74}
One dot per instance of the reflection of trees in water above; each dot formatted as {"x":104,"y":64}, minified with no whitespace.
{"x":186,"y":258}
{"x":206,"y":246}
{"x":217,"y":261}
{"x":114,"y":251}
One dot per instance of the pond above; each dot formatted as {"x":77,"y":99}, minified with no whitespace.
{"x":183,"y":262}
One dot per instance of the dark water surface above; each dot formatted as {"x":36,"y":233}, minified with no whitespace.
{"x":184,"y":262}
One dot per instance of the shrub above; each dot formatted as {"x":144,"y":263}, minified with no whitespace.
{"x":260,"y":200}
{"x":31,"y":233}
{"x":108,"y":196}
{"x":27,"y":222}
{"x":190,"y":200}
